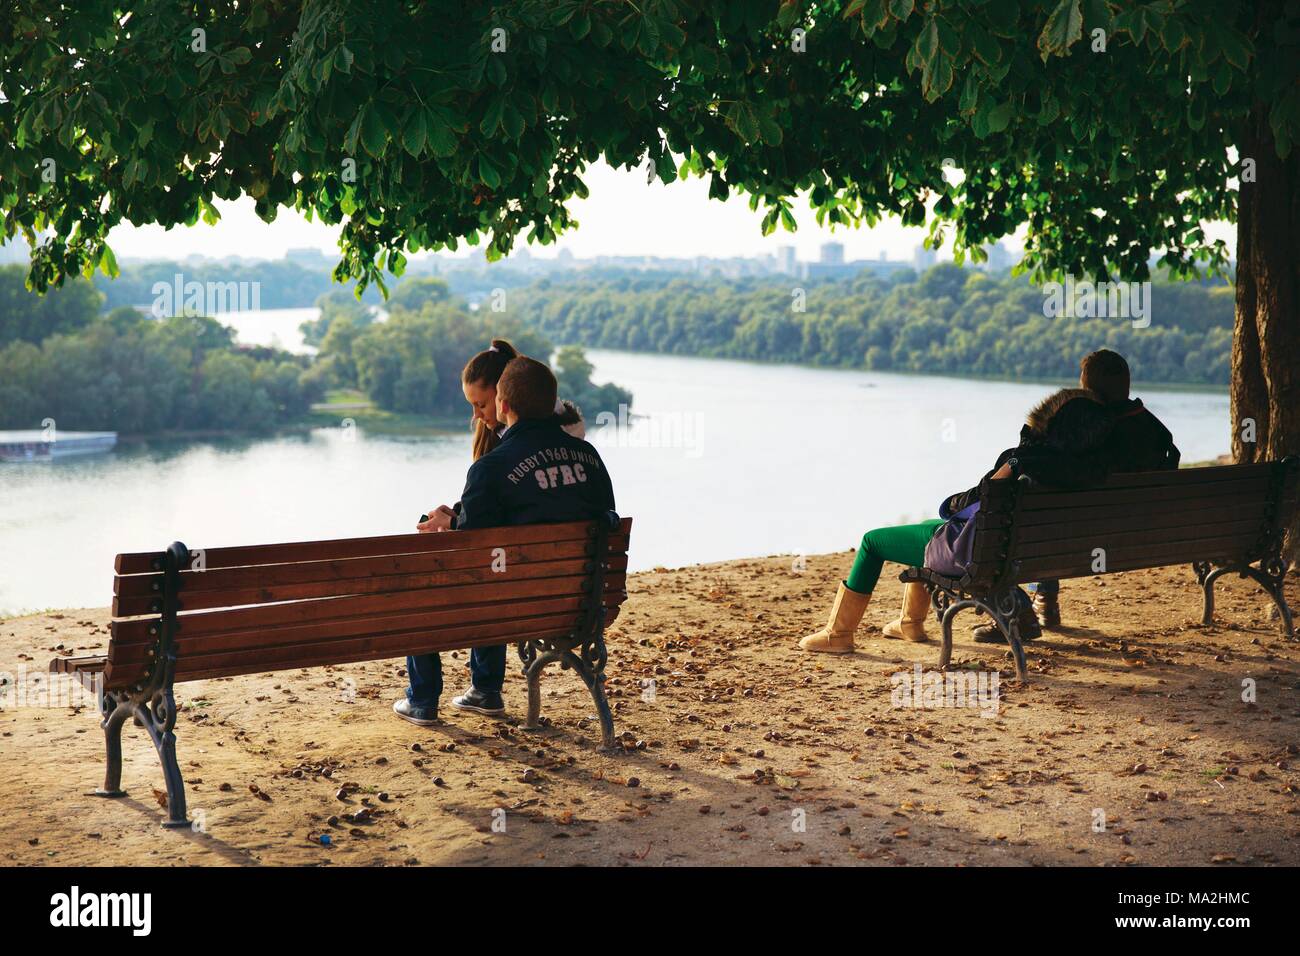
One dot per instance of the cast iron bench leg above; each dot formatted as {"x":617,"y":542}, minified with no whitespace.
{"x":533,"y":666}
{"x":115,"y":712}
{"x":595,"y":681}
{"x":591,"y":672}
{"x":159,"y":717}
{"x":1270,"y":576}
{"x":950,"y":612}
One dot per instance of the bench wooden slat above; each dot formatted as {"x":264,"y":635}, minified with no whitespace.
{"x":1084,"y":540}
{"x":370,"y":624}
{"x":302,"y":572}
{"x":342,"y":548}
{"x":432,"y":581}
{"x":1187,"y":476}
{"x":1041,"y":569}
{"x":1039,"y":499}
{"x":1158,"y":523}
{"x":369,"y":647}
{"x":1138,"y":511}
{"x":324,"y":609}
{"x":78,"y":665}
{"x":1132,"y":558}
{"x":1243,"y":540}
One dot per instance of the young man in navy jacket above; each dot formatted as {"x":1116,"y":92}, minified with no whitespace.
{"x":537,"y":474}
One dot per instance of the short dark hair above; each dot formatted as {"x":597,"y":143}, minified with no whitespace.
{"x":529,"y":386}
{"x":1106,"y":373}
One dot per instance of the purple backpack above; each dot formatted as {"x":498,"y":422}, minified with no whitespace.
{"x":951,"y":548}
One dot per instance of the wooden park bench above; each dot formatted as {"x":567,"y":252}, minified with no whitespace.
{"x":1221,"y":520}
{"x":183,"y":615}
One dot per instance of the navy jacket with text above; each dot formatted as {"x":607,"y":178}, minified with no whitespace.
{"x":539,"y":474}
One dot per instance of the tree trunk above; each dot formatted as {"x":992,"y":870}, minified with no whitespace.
{"x":1266,"y":341}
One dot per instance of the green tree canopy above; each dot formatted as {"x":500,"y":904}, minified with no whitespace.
{"x":418,"y":126}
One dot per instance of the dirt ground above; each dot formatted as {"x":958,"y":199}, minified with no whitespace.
{"x":1130,"y":745}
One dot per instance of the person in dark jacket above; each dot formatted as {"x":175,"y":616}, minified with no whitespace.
{"x":1138,"y":442}
{"x":1064,"y":443}
{"x":537,"y":473}
{"x":1060,"y":445}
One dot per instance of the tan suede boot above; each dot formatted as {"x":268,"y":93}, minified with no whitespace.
{"x":846,"y":614}
{"x":910,"y":625}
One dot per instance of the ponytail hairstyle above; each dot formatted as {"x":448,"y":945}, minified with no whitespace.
{"x":485,"y":369}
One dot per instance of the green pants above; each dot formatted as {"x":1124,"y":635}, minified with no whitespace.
{"x":904,"y":544}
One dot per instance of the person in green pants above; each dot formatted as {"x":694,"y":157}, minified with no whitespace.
{"x":903,"y":544}
{"x":1060,"y":445}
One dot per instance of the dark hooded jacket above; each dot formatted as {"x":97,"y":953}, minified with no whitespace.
{"x":1139,"y":441}
{"x":1063,"y":444}
{"x":538,"y":474}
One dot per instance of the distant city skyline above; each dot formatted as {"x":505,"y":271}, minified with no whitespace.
{"x":623,"y":216}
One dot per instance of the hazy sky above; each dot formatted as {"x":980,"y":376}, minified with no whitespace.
{"x":624,"y":215}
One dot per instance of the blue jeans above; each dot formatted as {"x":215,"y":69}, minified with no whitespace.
{"x":487,"y":667}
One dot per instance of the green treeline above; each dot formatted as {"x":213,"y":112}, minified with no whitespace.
{"x":131,"y":373}
{"x":62,"y":357}
{"x":948,"y":320}
{"x":412,"y":362}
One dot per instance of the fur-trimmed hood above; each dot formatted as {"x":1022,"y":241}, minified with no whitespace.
{"x":1072,"y":419}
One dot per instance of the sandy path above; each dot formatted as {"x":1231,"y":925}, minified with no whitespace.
{"x":751,"y":751}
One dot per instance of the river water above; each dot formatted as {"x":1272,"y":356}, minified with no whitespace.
{"x":721,"y":460}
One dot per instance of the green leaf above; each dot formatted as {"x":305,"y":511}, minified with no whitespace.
{"x":1063,"y":28}
{"x":1004,"y":16}
{"x":969,"y":93}
{"x":492,"y":117}
{"x":1049,"y":110}
{"x":927,"y":43}
{"x":949,"y":41}
{"x":1236,"y":48}
{"x":415,"y":134}
{"x":487,"y":173}
{"x":1172,"y":34}
{"x":999,"y":117}
{"x":374,"y":134}
{"x":901,"y":9}
{"x":875,"y":14}
{"x":770,"y":130}
{"x":1222,"y":78}
{"x":936,"y":79}
{"x":512,"y":122}
{"x":442,"y":138}
{"x":108,"y":262}
{"x":985,"y":47}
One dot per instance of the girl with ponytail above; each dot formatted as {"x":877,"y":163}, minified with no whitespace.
{"x":479,"y":382}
